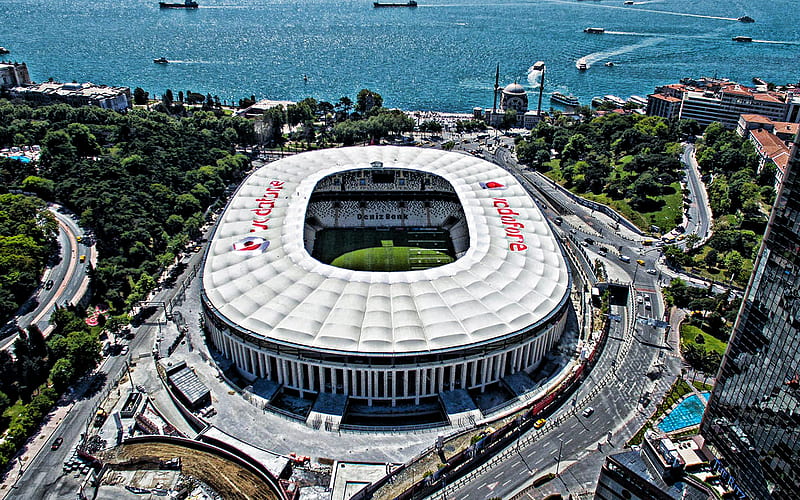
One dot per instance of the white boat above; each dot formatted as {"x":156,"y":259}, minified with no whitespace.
{"x":566,"y":100}
{"x":617,"y":101}
{"x":581,"y":65}
{"x":538,"y":66}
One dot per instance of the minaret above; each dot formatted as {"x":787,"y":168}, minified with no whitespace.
{"x":496,"y":87}
{"x":541,"y":90}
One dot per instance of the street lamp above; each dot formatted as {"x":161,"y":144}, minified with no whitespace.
{"x":560,"y":446}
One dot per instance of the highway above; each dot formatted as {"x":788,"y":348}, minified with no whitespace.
{"x":68,"y":274}
{"x":699,"y":213}
{"x":635,"y":367}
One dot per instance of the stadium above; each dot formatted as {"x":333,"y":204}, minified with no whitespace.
{"x":383,"y":276}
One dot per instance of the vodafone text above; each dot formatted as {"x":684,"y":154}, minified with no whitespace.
{"x":512,"y":227}
{"x":265,"y":205}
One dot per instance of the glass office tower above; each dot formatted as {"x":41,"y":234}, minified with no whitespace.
{"x":753,"y":417}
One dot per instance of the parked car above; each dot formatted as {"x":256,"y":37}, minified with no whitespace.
{"x":652,"y":271}
{"x":539,"y":423}
{"x":588,"y":411}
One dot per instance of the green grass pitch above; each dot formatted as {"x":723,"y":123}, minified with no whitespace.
{"x":391,"y":258}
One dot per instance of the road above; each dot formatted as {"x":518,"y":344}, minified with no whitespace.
{"x":699,"y":213}
{"x":639,"y":374}
{"x":68,"y":274}
{"x":43,"y":476}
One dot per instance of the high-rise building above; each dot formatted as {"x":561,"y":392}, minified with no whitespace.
{"x":752,"y":422}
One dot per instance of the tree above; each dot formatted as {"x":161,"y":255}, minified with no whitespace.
{"x":509,"y":119}
{"x":62,"y":373}
{"x":691,"y":240}
{"x":139,"y":96}
{"x":711,"y":258}
{"x":367,"y":100}
{"x":734,"y":263}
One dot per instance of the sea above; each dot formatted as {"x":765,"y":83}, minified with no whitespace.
{"x":439,"y":56}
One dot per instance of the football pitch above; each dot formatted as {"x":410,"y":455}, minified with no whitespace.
{"x":383,"y":250}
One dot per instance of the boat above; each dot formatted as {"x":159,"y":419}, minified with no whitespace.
{"x":410,"y":3}
{"x":616,"y":101}
{"x":628,"y":2}
{"x":746,"y":19}
{"x":161,"y":60}
{"x":594,"y":31}
{"x":597,"y":101}
{"x":742,"y":39}
{"x":581,"y":65}
{"x":566,"y":100}
{"x":538,"y":66}
{"x":4,"y":50}
{"x":637,"y":100}
{"x":609,"y":64}
{"x":188,"y":4}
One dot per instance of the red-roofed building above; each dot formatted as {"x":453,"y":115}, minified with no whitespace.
{"x":772,"y":141}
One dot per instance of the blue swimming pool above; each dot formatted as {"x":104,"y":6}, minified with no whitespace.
{"x":689,"y":412}
{"x":22,"y":158}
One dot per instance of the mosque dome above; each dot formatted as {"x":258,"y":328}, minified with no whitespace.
{"x":514,"y":88}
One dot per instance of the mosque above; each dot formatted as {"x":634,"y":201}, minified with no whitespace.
{"x":512,"y":97}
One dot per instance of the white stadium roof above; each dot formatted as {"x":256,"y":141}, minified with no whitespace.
{"x":281,"y":293}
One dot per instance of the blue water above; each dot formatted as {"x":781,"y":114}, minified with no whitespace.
{"x":689,"y":412}
{"x":439,"y":56}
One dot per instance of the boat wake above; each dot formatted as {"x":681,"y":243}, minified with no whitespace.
{"x":776,"y":42}
{"x":606,"y":54}
{"x":534,"y":77}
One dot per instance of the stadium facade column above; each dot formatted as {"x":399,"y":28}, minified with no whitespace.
{"x":365,"y":389}
{"x":484,"y":369}
{"x":321,"y":378}
{"x":419,"y":386}
{"x":464,"y":375}
{"x":440,"y":378}
{"x":405,"y":383}
{"x":311,"y":377}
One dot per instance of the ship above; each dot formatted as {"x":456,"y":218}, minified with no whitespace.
{"x":161,"y":60}
{"x":742,"y":39}
{"x":566,"y":100}
{"x":4,"y":50}
{"x":188,"y":4}
{"x":581,"y":65}
{"x":746,"y":19}
{"x":594,"y":31}
{"x":410,"y":3}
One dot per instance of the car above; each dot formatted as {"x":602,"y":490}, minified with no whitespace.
{"x":647,"y":298}
{"x":572,"y":231}
{"x":624,"y":258}
{"x":639,"y":299}
{"x":647,"y":306}
{"x":652,"y":271}
{"x":540,"y":423}
{"x":82,"y":259}
{"x":48,"y":285}
{"x":587,"y":411}
{"x":589,"y":241}
{"x":57,"y":443}
{"x":640,"y":262}
{"x":79,"y":238}
{"x":602,"y":253}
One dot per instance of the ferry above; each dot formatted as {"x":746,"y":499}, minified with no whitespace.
{"x":161,"y":60}
{"x":616,"y":101}
{"x":188,"y":4}
{"x":410,"y":3}
{"x":538,"y":66}
{"x":597,"y":101}
{"x":566,"y":100}
{"x":742,"y":39}
{"x":594,"y":31}
{"x":638,"y":100}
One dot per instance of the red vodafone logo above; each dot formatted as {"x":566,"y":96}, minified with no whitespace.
{"x":251,"y":245}
{"x":492,"y":185}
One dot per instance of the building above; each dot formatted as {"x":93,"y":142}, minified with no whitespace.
{"x":752,"y":421}
{"x":710,"y":100}
{"x":13,"y":74}
{"x":75,"y":94}
{"x":661,"y":470}
{"x":387,"y":337}
{"x":772,"y":141}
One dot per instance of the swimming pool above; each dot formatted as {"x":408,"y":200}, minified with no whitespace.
{"x":689,"y":412}
{"x":22,"y":158}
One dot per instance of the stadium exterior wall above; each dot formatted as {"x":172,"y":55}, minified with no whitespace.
{"x":390,"y":379}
